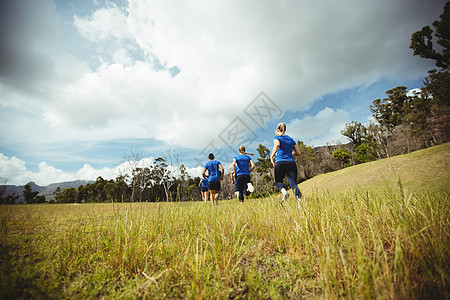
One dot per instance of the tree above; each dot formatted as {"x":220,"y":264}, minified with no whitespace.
{"x":6,"y":199}
{"x":437,"y":92}
{"x":140,"y":180}
{"x":305,"y":161}
{"x":32,"y":197}
{"x":390,"y":112}
{"x":165,"y":176}
{"x":122,"y":187}
{"x":422,"y":41}
{"x":437,"y":84}
{"x":355,"y":132}
{"x":366,"y":152}
{"x":68,"y":195}
{"x":263,"y":171}
{"x":133,"y":162}
{"x":264,"y":163}
{"x":343,"y":156}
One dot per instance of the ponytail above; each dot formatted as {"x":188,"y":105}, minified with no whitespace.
{"x":281,"y":127}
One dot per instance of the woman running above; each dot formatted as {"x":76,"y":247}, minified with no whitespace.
{"x":242,"y":166}
{"x":282,"y":158}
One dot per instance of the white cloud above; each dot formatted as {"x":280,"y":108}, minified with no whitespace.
{"x":195,"y":172}
{"x":318,"y":130}
{"x":105,"y":24}
{"x":227,"y":53}
{"x":14,"y":170}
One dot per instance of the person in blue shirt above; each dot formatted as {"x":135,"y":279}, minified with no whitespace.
{"x":242,"y":166}
{"x":215,"y":175}
{"x":203,"y":184}
{"x":282,"y":158}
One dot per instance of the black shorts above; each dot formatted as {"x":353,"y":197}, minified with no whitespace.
{"x":204,"y":189}
{"x":285,"y":168}
{"x":214,"y":185}
{"x":242,"y":181}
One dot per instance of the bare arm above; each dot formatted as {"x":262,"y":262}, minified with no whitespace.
{"x":296,"y":151}
{"x":203,"y":173}
{"x":222,"y":172}
{"x":252,"y":165}
{"x":232,"y":176}
{"x":276,"y":146}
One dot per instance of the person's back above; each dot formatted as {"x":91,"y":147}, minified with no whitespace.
{"x":215,"y":175}
{"x":204,"y":183}
{"x":285,"y":151}
{"x":283,"y":161}
{"x":242,"y":164}
{"x":213,"y":168}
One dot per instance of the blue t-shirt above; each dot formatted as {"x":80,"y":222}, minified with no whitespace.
{"x":284,"y":153}
{"x":242,"y":164}
{"x":213,"y":168}
{"x":204,"y":183}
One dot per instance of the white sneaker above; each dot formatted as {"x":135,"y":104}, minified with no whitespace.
{"x":285,"y":196}
{"x":298,"y":201}
{"x":250,"y":187}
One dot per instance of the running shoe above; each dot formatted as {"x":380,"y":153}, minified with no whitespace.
{"x":298,"y":201}
{"x":250,"y":187}
{"x":285,"y":196}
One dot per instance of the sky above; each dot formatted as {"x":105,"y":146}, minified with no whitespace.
{"x":87,"y":84}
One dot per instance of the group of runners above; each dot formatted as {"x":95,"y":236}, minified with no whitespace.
{"x":282,"y":159}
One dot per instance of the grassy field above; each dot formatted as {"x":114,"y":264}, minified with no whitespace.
{"x":424,"y":170}
{"x":361,"y":243}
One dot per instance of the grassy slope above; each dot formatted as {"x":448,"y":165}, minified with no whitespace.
{"x":423,"y":170}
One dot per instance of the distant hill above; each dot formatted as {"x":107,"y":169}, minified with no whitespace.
{"x":47,"y":191}
{"x":422,"y":170}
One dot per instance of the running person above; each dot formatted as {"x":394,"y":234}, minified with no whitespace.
{"x":203,"y":184}
{"x":282,"y":158}
{"x":216,"y":172}
{"x":242,"y":166}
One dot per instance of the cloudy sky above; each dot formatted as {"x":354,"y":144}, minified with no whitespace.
{"x":85,"y":83}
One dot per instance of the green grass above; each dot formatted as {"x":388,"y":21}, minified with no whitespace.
{"x":421,"y":170}
{"x":359,"y":243}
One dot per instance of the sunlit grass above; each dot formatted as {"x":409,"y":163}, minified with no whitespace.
{"x":351,"y":245}
{"x":421,"y":170}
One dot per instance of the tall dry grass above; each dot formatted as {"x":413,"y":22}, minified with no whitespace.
{"x":351,"y":245}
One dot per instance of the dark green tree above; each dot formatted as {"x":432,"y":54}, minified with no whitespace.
{"x":262,"y":179}
{"x":391,"y":111}
{"x":68,"y":195}
{"x":263,"y":160}
{"x":366,"y":152}
{"x":422,"y":42}
{"x":344,"y":156}
{"x":7,"y":199}
{"x":32,"y":197}
{"x":356,"y":132}
{"x":435,"y":44}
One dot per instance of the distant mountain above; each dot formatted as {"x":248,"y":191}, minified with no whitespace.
{"x":47,"y":191}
